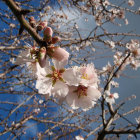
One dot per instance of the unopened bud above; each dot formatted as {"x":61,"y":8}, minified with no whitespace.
{"x":42,"y":57}
{"x":55,"y":39}
{"x":59,"y":54}
{"x":42,"y":25}
{"x":48,"y":34}
{"x":32,"y":21}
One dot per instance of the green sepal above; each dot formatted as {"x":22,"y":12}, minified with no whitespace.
{"x":62,"y":70}
{"x":49,"y":75}
{"x":53,"y":68}
{"x":53,"y":82}
{"x":61,"y":79}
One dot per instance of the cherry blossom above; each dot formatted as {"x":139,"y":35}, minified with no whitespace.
{"x":84,"y":75}
{"x":134,"y":48}
{"x":134,"y":63}
{"x":27,"y":55}
{"x":111,"y":44}
{"x":110,"y":97}
{"x":79,"y":138}
{"x":131,"y":2}
{"x":106,"y":69}
{"x":30,"y":57}
{"x":82,"y":96}
{"x":50,"y":80}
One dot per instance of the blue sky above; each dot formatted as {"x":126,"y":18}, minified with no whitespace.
{"x":128,"y":86}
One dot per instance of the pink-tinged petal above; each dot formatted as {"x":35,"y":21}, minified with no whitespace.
{"x":89,"y":76}
{"x":75,"y":102}
{"x":48,"y":31}
{"x":70,"y":77}
{"x":84,"y":102}
{"x":60,"y":90}
{"x":60,"y":54}
{"x":116,"y":95}
{"x":93,"y":94}
{"x":72,"y":97}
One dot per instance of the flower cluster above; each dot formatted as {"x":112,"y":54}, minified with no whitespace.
{"x":77,"y":86}
{"x":104,"y":10}
{"x":134,"y":48}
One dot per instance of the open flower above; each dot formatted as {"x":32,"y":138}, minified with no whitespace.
{"x":82,"y":96}
{"x":27,"y":55}
{"x":85,"y":75}
{"x":134,"y":48}
{"x":50,"y":81}
{"x":30,"y":58}
{"x":110,"y":98}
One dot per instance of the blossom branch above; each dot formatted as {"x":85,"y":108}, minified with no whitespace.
{"x":18,"y":12}
{"x":16,"y":126}
{"x":12,"y":111}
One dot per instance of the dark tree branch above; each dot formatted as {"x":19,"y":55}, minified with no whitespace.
{"x":18,"y":12}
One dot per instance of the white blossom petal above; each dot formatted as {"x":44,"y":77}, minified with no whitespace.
{"x":93,"y":94}
{"x":116,"y":95}
{"x":86,"y":101}
{"x":58,"y":64}
{"x":44,"y":86}
{"x":70,"y":77}
{"x":110,"y":100}
{"x":72,"y":97}
{"x":60,"y":90}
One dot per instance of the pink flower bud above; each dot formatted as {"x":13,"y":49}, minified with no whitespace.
{"x":42,"y":57}
{"x":31,"y":18}
{"x":60,"y":54}
{"x":48,"y":34}
{"x":42,"y":25}
{"x":55,"y":39}
{"x":32,"y":21}
{"x":48,"y":31}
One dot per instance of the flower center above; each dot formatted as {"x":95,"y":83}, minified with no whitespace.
{"x":111,"y":96}
{"x":81,"y":91}
{"x":56,"y":75}
{"x":85,"y":76}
